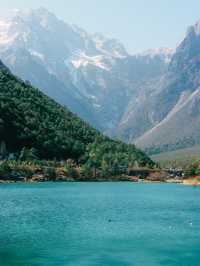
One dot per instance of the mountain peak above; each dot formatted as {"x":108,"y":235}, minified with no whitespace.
{"x":163,"y":53}
{"x":40,"y":15}
{"x":42,"y":10}
{"x":194,"y":28}
{"x":158,"y":51}
{"x":109,"y":45}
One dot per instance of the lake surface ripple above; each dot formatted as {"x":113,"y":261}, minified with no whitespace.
{"x":114,"y":224}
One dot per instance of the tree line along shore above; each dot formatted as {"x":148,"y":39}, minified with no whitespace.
{"x":32,"y":169}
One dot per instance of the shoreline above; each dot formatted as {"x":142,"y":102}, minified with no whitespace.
{"x":191,"y":182}
{"x":167,"y":181}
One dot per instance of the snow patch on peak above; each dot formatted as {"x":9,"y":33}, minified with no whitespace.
{"x":84,"y":60}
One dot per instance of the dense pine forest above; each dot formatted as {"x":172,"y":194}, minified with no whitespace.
{"x":34,"y":127}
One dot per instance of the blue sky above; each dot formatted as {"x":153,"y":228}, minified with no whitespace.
{"x":139,"y":24}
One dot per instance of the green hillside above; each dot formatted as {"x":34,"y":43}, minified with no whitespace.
{"x":32,"y":120}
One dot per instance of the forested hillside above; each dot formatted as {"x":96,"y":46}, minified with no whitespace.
{"x":30,"y":119}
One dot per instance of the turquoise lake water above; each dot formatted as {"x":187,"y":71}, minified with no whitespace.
{"x":86,"y":224}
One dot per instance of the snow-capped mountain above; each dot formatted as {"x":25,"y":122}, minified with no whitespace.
{"x":92,"y":74}
{"x":69,"y":64}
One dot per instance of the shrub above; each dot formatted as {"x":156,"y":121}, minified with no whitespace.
{"x":70,"y":169}
{"x":86,"y":171}
{"x":28,"y":154}
{"x":50,"y":173}
{"x":4,"y":169}
{"x":191,"y":170}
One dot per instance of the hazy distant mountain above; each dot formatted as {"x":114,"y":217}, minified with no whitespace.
{"x":176,"y":100}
